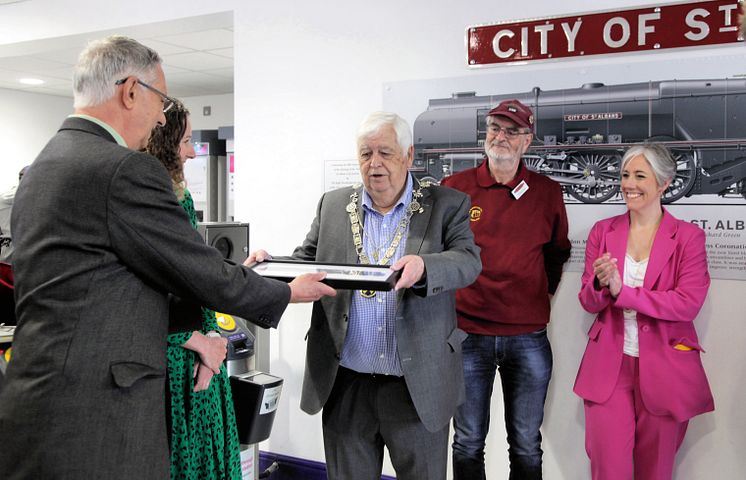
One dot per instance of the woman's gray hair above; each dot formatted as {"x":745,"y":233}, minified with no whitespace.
{"x":377,"y":120}
{"x":658,"y":157}
{"x":107,"y":60}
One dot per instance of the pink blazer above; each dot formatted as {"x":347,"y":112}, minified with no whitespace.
{"x":672,"y":381}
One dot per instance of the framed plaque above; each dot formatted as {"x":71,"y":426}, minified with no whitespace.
{"x":6,"y":333}
{"x":338,"y":275}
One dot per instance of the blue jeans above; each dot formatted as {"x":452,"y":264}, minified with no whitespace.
{"x":525,"y":365}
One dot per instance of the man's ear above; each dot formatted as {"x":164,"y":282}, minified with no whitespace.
{"x":128,"y":93}
{"x":529,"y":140}
{"x":410,"y":156}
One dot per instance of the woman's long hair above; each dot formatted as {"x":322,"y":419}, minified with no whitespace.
{"x":164,"y":145}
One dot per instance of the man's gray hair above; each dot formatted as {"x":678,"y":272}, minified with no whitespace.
{"x":107,"y":60}
{"x":377,"y":120}
{"x":659,"y":158}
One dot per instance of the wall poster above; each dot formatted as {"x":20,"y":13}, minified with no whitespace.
{"x":340,"y":173}
{"x":586,"y":117}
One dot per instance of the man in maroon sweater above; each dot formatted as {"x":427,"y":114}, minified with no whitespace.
{"x":519,"y":221}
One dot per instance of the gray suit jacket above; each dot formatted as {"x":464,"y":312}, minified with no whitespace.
{"x":428,"y":339}
{"x":99,"y":241}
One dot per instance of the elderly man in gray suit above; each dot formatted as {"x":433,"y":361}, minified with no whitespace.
{"x":100,"y":240}
{"x":386,"y":366}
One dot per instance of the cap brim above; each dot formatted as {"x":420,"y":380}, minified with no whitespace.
{"x":515,"y":119}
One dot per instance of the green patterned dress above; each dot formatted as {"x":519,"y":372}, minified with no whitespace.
{"x":204,"y":439}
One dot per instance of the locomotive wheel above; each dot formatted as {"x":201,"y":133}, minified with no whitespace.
{"x":539,"y":165}
{"x":685,"y":176}
{"x":532,"y":163}
{"x":600,"y":169}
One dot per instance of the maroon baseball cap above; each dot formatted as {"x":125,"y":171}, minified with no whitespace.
{"x":515,"y":111}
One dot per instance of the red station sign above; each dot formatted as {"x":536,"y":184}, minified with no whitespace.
{"x":692,"y":24}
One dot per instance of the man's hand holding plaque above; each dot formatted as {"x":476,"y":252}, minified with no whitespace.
{"x":306,"y":287}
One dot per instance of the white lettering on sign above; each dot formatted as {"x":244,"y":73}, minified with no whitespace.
{"x":728,"y":19}
{"x":543,"y":30}
{"x":692,"y":24}
{"x":496,"y":44}
{"x":610,"y":42}
{"x":643,"y":28}
{"x":571,"y":34}
{"x":578,"y":117}
{"x":524,"y":41}
{"x":691,"y":21}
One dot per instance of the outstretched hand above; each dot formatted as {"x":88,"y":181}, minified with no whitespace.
{"x":304,"y":288}
{"x":308,"y":288}
{"x":257,"y":256}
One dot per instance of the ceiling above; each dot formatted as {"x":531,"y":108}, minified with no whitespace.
{"x":197,"y":56}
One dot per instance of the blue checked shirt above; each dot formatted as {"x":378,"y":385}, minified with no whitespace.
{"x":370,"y":345}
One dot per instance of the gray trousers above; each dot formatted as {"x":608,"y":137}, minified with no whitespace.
{"x":366,"y":412}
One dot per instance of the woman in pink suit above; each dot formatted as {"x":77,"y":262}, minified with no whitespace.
{"x":641,"y":377}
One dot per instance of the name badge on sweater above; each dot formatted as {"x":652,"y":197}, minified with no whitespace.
{"x":519,"y":190}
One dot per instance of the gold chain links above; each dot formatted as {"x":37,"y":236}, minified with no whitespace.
{"x":356,"y":225}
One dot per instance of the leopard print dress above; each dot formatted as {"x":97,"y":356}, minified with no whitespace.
{"x":204,"y":439}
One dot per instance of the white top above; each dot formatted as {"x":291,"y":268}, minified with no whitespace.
{"x":634,"y":274}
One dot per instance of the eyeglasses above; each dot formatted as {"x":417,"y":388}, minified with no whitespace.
{"x":168,"y":102}
{"x":510,"y":132}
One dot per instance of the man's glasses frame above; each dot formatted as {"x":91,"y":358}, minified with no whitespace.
{"x":168,"y":102}
{"x":510,"y":132}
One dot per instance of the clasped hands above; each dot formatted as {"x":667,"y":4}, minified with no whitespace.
{"x":212,"y":349}
{"x":607,"y":273}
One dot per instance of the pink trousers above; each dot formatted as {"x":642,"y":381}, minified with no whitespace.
{"x":624,"y":440}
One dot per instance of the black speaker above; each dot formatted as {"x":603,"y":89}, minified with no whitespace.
{"x":230,"y":238}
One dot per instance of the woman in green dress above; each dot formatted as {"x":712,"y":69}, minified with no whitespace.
{"x":204,"y":439}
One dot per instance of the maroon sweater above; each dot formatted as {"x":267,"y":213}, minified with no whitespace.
{"x":524,"y":245}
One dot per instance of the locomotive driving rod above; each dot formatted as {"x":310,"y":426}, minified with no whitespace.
{"x":591,"y":181}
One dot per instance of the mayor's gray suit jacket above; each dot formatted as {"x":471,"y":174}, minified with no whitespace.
{"x":428,"y":339}
{"x":99,"y":241}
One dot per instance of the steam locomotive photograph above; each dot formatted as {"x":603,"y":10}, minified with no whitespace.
{"x":581,"y":135}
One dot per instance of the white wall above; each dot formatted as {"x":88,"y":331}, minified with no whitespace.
{"x":221,"y":114}
{"x":305,"y":76}
{"x":27,"y":122}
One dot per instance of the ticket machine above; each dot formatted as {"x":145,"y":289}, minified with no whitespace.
{"x":256,"y":393}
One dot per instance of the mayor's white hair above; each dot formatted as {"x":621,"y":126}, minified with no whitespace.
{"x":374,"y":122}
